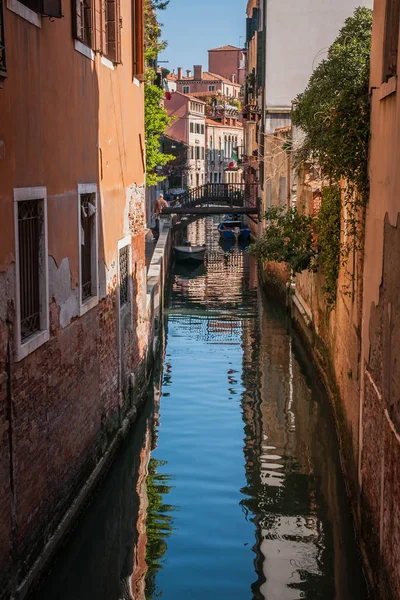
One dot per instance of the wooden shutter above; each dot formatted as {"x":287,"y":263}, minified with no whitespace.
{"x":97,"y":25}
{"x":260,"y":58}
{"x":52,"y":8}
{"x":113,"y":31}
{"x":138,"y":39}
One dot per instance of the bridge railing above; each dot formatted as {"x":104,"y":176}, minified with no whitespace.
{"x":233,"y":194}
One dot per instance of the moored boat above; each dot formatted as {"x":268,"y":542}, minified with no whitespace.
{"x":190,"y":253}
{"x":231,"y":229}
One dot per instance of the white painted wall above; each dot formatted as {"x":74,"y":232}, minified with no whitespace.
{"x":298,"y":35}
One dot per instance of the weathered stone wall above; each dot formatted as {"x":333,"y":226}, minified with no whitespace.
{"x":63,"y":405}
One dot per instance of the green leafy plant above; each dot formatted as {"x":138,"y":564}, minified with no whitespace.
{"x":288,"y":239}
{"x":156,"y":122}
{"x":334,"y":114}
{"x":327,"y":226}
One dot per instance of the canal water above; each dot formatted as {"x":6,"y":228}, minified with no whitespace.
{"x":229,"y":486}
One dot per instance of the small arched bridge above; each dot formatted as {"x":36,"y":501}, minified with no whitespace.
{"x":217,"y":199}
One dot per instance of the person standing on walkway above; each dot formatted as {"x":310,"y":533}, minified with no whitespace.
{"x":159,"y":206}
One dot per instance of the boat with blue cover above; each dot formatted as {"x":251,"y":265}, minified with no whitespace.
{"x":233,"y":229}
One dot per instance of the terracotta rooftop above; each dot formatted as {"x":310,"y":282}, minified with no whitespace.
{"x":224,"y":48}
{"x":189,"y":97}
{"x":172,"y":76}
{"x":218,"y":124}
{"x":207,"y":76}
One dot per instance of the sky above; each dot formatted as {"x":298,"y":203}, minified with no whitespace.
{"x":191,"y":27}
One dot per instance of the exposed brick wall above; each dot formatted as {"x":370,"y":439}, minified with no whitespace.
{"x":66,"y":410}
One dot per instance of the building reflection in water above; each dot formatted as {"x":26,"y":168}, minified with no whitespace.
{"x":295,"y":493}
{"x":292,"y":498}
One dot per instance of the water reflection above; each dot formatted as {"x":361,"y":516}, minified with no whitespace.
{"x":242,"y":496}
{"x":288,"y":534}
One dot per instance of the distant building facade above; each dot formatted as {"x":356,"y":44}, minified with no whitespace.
{"x":189,"y":127}
{"x":228,"y":61}
{"x":204,"y":81}
{"x":224,"y":152}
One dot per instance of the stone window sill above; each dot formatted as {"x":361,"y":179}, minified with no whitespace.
{"x":23,"y":11}
{"x":85,"y":50}
{"x":388,"y":88}
{"x":32,"y":343}
{"x":88,"y":305}
{"x":107,"y":63}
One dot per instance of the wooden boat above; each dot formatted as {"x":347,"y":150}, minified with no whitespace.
{"x":230,"y":229}
{"x":187,"y":252}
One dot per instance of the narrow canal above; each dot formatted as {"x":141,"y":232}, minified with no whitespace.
{"x":229,"y":486}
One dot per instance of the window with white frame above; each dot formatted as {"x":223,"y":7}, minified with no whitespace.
{"x":88,"y":246}
{"x":124,"y":272}
{"x":32,"y":296}
{"x":185,"y":89}
{"x":211,"y":88}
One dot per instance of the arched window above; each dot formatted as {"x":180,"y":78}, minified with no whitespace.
{"x":211,"y":143}
{"x":225,"y":145}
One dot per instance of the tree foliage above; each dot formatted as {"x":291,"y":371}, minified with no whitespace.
{"x":305,"y":242}
{"x":288,"y":239}
{"x":156,"y":120}
{"x":327,"y":227}
{"x":334,"y":111}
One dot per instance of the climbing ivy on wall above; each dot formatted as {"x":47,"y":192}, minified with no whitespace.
{"x":305,"y":242}
{"x":288,"y":239}
{"x":327,"y":226}
{"x":334,"y":114}
{"x":334,"y":110}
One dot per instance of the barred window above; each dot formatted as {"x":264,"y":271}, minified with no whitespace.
{"x":30,"y":220}
{"x":88,"y":275}
{"x":123,"y":275}
{"x":84,"y":21}
{"x":31,"y":300}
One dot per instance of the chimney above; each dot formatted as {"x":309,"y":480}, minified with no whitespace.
{"x":179,"y":72}
{"x":188,"y":71}
{"x":198,"y":72}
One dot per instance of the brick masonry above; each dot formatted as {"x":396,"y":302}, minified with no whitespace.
{"x":62,"y":407}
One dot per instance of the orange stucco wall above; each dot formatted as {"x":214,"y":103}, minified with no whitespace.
{"x":61,"y":124}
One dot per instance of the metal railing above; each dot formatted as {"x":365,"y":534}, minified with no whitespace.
{"x":123,"y":275}
{"x":29,"y":227}
{"x":233,"y":194}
